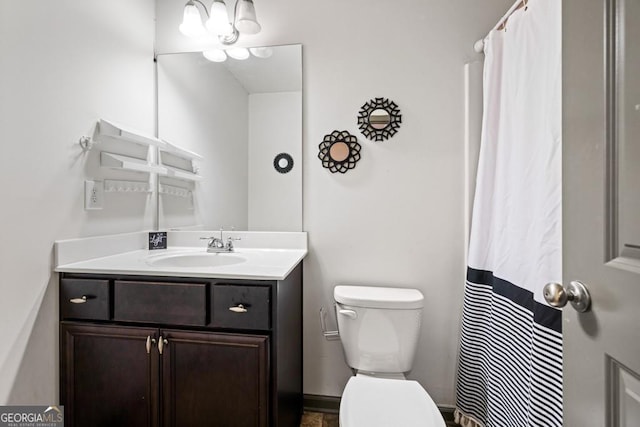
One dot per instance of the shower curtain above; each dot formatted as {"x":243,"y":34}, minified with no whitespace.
{"x":510,"y":363}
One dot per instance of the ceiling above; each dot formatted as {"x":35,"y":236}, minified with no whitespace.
{"x":281,"y":72}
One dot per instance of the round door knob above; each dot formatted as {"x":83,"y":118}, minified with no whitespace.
{"x":555,"y":295}
{"x":576,"y":292}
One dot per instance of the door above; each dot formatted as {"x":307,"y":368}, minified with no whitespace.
{"x":601,"y":210}
{"x":214,"y":379}
{"x":108,"y":376}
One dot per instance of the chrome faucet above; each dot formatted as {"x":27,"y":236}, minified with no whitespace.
{"x":217,"y":245}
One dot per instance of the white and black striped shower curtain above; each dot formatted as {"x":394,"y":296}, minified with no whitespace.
{"x":510,"y":366}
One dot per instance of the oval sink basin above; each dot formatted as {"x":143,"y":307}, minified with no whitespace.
{"x":198,"y":260}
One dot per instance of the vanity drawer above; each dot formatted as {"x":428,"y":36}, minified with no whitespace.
{"x":241,"y":307}
{"x":84,"y":299}
{"x":160,"y":302}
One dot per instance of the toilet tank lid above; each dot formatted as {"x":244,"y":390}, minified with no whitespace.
{"x":378,"y":297}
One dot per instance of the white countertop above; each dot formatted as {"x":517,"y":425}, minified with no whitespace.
{"x":262,"y":263}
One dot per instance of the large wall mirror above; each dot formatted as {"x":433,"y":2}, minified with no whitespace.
{"x":239,"y":115}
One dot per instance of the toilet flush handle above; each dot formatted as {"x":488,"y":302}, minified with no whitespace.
{"x":349,"y":313}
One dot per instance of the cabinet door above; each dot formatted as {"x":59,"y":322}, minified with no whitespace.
{"x":214,"y":379}
{"x":107,"y":377}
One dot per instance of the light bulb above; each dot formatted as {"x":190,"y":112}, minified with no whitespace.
{"x":261,"y":52}
{"x":218,"y":22}
{"x":215,"y":55}
{"x":247,"y":22}
{"x":192,"y":22}
{"x":238,"y":53}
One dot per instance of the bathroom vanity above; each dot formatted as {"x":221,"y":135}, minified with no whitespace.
{"x":180,"y":346}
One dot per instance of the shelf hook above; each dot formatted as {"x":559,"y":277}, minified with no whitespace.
{"x":86,"y":143}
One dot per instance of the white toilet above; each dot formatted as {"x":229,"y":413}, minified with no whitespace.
{"x":379,"y":329}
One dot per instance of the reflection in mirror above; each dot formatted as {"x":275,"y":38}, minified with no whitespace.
{"x":379,"y":118}
{"x":339,"y":151}
{"x":626,"y":61}
{"x":238,"y":115}
{"x":283,"y":163}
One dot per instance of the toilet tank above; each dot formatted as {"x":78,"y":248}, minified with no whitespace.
{"x":379,"y":327}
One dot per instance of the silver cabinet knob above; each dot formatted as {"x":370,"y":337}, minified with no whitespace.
{"x":238,"y":308}
{"x":575,"y":292}
{"x":81,"y":300}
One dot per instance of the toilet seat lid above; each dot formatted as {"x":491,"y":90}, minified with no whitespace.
{"x":380,"y":402}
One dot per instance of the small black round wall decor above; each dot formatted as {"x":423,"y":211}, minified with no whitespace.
{"x":283,"y":163}
{"x":379,"y":119}
{"x":339,"y":151}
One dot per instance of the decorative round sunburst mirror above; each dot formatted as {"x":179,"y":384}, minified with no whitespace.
{"x":379,"y":119}
{"x":339,"y":151}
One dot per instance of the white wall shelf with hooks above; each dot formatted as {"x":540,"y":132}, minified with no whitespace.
{"x":180,"y":152}
{"x":180,"y":163}
{"x":177,"y":173}
{"x":120,"y":161}
{"x":125,"y":150}
{"x":110,"y":129}
{"x":172,"y":190}
{"x":120,"y":186}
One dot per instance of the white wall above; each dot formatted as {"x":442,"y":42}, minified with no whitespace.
{"x":398,"y":217}
{"x":63,"y":65}
{"x":203,"y":108}
{"x":395,"y":219}
{"x":275,"y":126}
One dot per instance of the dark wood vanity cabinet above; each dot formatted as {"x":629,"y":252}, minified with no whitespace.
{"x":230,"y":390}
{"x":107,"y":378}
{"x":223,"y":352}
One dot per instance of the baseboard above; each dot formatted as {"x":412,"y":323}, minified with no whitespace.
{"x":317,"y":403}
{"x":447,"y":413}
{"x":331,"y":405}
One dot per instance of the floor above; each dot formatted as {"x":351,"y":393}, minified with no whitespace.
{"x":318,"y":419}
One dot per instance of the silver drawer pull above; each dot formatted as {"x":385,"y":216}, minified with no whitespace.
{"x":238,"y":308}
{"x":81,"y":300}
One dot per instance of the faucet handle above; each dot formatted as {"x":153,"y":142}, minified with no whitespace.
{"x":230,"y":241}
{"x":212,"y":241}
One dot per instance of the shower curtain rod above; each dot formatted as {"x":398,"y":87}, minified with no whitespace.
{"x":479,"y":45}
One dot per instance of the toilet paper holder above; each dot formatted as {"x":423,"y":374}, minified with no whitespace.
{"x":329,"y":335}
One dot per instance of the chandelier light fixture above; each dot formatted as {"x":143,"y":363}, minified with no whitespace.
{"x":218,"y":22}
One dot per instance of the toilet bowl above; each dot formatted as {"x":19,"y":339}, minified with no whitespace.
{"x":382,"y":402}
{"x":379,"y":329}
